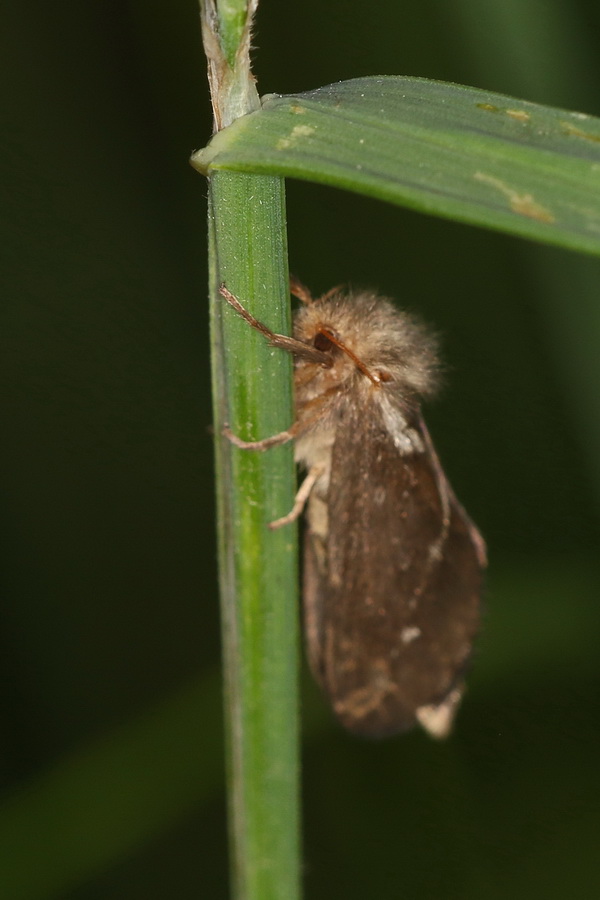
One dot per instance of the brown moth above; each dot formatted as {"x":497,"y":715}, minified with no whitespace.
{"x":392,"y":563}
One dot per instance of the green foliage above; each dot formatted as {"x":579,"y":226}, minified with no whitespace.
{"x":108,"y":555}
{"x":443,"y":149}
{"x":259,"y":575}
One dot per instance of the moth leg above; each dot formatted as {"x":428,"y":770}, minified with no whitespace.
{"x":290,"y":433}
{"x":302,"y":496}
{"x":282,"y":437}
{"x":298,"y":348}
{"x":274,"y":441}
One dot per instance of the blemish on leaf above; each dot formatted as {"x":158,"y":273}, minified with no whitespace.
{"x":568,"y":128}
{"x":304,"y":130}
{"x":297,"y":131}
{"x":523,"y":204}
{"x":519,"y":114}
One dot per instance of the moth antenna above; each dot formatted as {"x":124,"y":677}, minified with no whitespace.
{"x":299,"y":290}
{"x":375,"y":377}
{"x":334,"y":290}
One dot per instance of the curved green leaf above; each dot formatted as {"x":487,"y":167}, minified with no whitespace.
{"x":440,"y":148}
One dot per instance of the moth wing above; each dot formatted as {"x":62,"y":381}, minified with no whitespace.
{"x":392,"y":592}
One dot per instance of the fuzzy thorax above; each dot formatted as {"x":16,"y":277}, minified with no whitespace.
{"x":395,"y":348}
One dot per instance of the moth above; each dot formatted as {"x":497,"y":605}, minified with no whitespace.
{"x":393,"y":565}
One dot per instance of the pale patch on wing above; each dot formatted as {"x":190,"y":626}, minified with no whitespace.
{"x":410,"y":634}
{"x":360,"y":702}
{"x":437,"y":720}
{"x":406,"y":439}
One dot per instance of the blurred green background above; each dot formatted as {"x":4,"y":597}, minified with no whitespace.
{"x":110,"y":723}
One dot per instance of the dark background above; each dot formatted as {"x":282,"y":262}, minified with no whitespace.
{"x":109,"y":601}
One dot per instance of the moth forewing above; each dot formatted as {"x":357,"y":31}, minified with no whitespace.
{"x":392,"y":593}
{"x":393,"y":565}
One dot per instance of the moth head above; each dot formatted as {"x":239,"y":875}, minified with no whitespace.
{"x":365,"y":338}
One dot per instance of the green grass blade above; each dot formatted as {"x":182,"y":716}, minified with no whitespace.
{"x":443,"y":149}
{"x":252,"y":389}
{"x":258,"y":574}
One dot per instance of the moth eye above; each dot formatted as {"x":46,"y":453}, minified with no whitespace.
{"x":384,"y":376}
{"x":322,"y":342}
